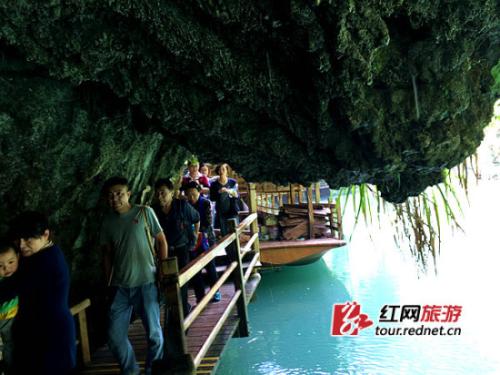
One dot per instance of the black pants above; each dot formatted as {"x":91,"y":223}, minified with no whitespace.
{"x":223,"y":223}
{"x":197,"y":281}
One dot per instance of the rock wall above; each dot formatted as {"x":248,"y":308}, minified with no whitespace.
{"x":58,"y":143}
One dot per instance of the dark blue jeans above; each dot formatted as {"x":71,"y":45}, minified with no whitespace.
{"x":144,"y":300}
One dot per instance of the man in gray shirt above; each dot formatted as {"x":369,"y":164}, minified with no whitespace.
{"x":130,"y":269}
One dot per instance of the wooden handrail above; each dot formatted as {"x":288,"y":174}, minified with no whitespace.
{"x":245,"y":223}
{"x":196,"y":265}
{"x":80,"y":307}
{"x":204,"y":302}
{"x":248,"y":245}
{"x":249,"y":270}
{"x":210,"y":339}
{"x":175,"y":328}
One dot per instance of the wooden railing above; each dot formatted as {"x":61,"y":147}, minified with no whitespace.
{"x":270,"y":198}
{"x":179,"y":359}
{"x":83,"y":335}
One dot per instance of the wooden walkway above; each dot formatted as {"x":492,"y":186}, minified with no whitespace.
{"x":103,"y":362}
{"x":194,"y":343}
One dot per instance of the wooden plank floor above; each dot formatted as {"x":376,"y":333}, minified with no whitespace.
{"x":103,"y":362}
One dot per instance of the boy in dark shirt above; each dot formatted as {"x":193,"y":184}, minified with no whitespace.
{"x":181,"y":224}
{"x":206,"y":237}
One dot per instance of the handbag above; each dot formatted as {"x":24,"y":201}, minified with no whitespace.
{"x":236,"y":204}
{"x":202,"y":243}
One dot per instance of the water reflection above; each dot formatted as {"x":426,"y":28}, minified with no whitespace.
{"x":291,"y":317}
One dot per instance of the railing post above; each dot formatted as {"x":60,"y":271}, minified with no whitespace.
{"x":176,"y":358}
{"x":339,"y":222}
{"x":301,"y":194}
{"x":233,"y":253}
{"x":310,"y":211}
{"x":84,"y":338}
{"x":291,"y":197}
{"x":254,"y":227}
{"x":317,"y":193}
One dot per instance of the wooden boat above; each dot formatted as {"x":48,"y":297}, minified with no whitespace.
{"x":297,"y":252}
{"x":320,"y":223}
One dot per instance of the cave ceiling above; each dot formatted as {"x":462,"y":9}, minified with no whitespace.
{"x":382,"y":92}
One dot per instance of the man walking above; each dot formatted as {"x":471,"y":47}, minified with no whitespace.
{"x":127,"y":236}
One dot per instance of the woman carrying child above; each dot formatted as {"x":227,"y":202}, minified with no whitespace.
{"x":44,"y":330}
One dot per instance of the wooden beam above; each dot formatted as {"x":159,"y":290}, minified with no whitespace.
{"x":245,"y":223}
{"x":84,"y":338}
{"x":80,"y":307}
{"x":210,"y":339}
{"x":175,"y":351}
{"x":248,"y":245}
{"x":208,"y":297}
{"x":254,"y":227}
{"x":317,"y":193}
{"x":339,"y":222}
{"x":301,"y":195}
{"x":310,"y":211}
{"x":234,"y":254}
{"x":196,"y":265}
{"x":251,"y":266}
{"x":83,"y":335}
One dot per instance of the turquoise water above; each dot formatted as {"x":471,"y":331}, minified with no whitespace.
{"x":290,"y":319}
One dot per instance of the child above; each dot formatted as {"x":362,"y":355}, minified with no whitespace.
{"x":9,"y":261}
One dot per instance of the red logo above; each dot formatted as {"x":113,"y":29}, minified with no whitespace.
{"x":347,"y":319}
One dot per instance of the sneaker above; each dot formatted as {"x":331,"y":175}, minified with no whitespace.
{"x":217,"y":297}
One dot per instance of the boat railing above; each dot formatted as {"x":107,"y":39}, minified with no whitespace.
{"x":270,"y":198}
{"x":174,"y":279}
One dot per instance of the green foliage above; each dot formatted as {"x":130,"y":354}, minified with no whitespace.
{"x":417,"y":222}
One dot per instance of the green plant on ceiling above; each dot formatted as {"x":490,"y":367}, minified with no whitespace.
{"x":418,"y":222}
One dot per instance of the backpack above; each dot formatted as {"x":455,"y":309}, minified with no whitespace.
{"x":203,"y":240}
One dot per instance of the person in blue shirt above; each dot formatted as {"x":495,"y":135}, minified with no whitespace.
{"x":181,"y":224}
